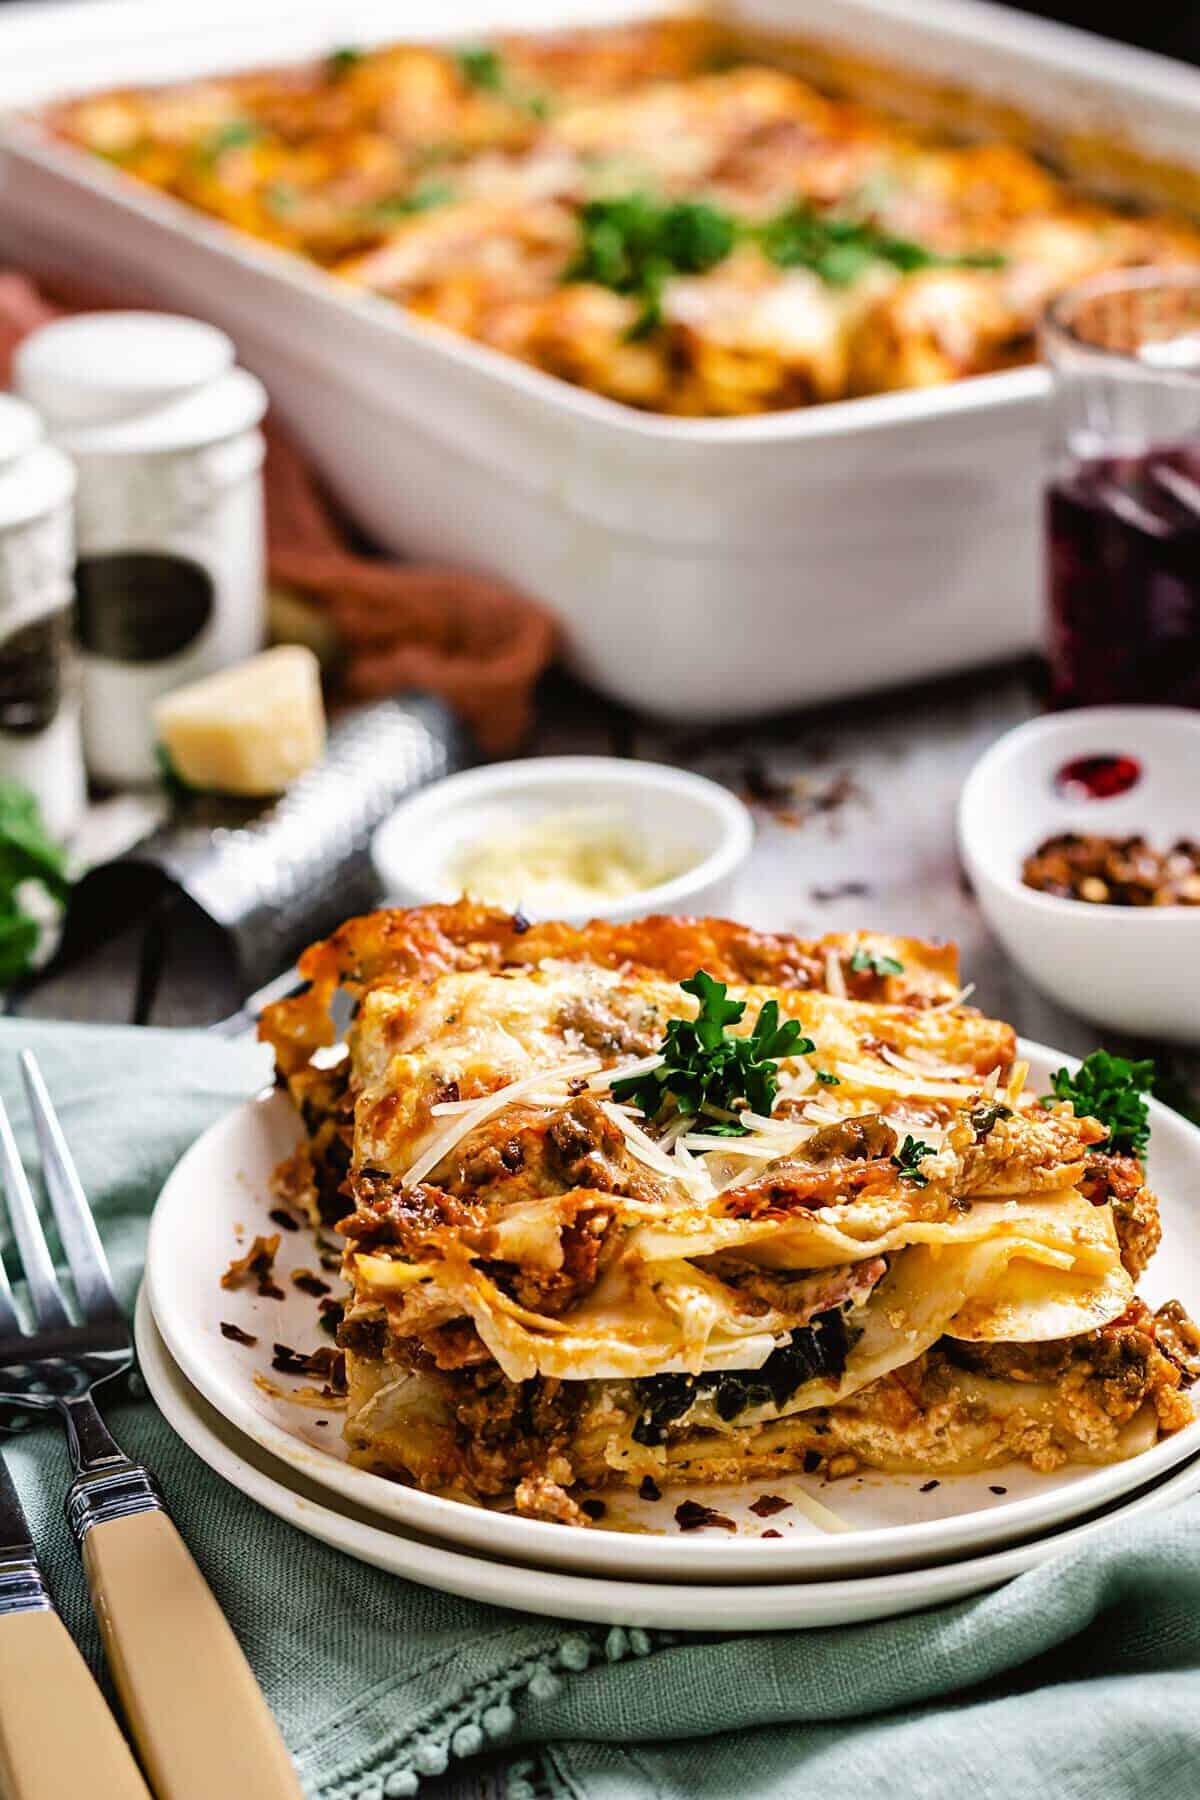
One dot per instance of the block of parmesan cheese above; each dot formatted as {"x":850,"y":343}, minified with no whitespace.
{"x":249,"y":729}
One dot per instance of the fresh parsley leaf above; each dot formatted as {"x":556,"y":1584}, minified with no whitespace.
{"x":908,"y":1160}
{"x":827,"y":1079}
{"x":865,"y":962}
{"x":234,"y":134}
{"x":340,"y":62}
{"x":26,"y":855}
{"x":19,"y":936}
{"x":705,"y":1066}
{"x":1113,"y":1090}
{"x":421,"y":199}
{"x":633,"y":244}
{"x":481,"y":67}
{"x":840,"y":250}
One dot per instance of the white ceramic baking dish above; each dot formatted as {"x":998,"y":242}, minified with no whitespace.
{"x":703,"y":569}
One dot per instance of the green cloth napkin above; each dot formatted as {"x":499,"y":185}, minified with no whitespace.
{"x":1080,"y":1681}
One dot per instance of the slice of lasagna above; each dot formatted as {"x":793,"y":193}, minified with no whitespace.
{"x":687,"y":1200}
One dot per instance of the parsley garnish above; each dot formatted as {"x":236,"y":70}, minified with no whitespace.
{"x":421,"y":199}
{"x":26,"y":855}
{"x":706,"y":1067}
{"x":234,"y":134}
{"x":339,"y":62}
{"x":909,"y":1157}
{"x":1113,"y":1090}
{"x":865,"y":962}
{"x":483,"y":68}
{"x":826,"y":1079}
{"x":841,"y":250}
{"x":633,"y":244}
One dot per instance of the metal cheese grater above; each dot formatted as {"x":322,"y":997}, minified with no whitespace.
{"x":265,"y":885}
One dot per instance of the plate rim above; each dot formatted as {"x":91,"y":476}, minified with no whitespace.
{"x":533,"y":1541}
{"x":672,"y":1605}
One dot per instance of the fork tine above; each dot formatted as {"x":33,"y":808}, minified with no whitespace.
{"x":49,"y":1308}
{"x":10,"y":1324}
{"x":76,"y":1226}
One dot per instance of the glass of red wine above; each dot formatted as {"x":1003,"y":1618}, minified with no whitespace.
{"x":1123,"y":505}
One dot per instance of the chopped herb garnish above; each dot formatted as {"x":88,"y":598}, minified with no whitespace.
{"x":840,"y":250}
{"x":340,"y":62}
{"x":1113,"y":1090}
{"x":706,"y":1068}
{"x":481,"y":68}
{"x":421,"y":199}
{"x":909,"y":1157}
{"x":865,"y":962}
{"x":280,"y":197}
{"x":232,"y":135}
{"x":633,"y":244}
{"x":27,"y":856}
{"x":828,"y":1079}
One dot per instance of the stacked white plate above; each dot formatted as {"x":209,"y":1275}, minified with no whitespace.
{"x":865,"y":1547}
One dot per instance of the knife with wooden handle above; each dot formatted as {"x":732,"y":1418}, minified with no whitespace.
{"x":196,"y":1712}
{"x":57,"y":1735}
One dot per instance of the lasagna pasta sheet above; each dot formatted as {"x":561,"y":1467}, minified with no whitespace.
{"x":1041,"y":1270}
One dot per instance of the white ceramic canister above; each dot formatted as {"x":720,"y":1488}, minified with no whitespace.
{"x":163,"y":431}
{"x":39,"y":687}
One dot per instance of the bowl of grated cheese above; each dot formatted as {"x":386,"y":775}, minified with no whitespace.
{"x":568,"y":837}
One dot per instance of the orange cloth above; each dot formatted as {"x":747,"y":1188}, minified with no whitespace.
{"x":476,"y":642}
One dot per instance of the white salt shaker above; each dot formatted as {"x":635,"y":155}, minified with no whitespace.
{"x":39,"y":689}
{"x":163,"y":432}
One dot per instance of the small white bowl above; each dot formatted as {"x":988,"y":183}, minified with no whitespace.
{"x":695,"y":820}
{"x":1134,"y":969}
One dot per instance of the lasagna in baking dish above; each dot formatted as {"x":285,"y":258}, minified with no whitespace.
{"x":671,"y":214}
{"x":684,"y":1200}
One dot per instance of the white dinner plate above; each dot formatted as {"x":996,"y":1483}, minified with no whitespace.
{"x":672,"y":1606}
{"x":218,"y":1197}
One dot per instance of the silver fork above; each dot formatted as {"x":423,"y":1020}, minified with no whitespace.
{"x":195,"y":1710}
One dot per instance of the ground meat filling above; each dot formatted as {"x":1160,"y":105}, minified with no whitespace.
{"x":1119,"y":1180}
{"x":1126,"y":1362}
{"x":507,"y":1431}
{"x":551,"y":1291}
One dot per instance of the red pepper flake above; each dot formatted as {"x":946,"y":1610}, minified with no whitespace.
{"x":308,"y":1283}
{"x":649,"y":1489}
{"x":236,"y":1335}
{"x":691,"y":1516}
{"x":767,"y":1505}
{"x":279,"y":1216}
{"x":771,"y":1533}
{"x":928,"y":1487}
{"x":595,"y":1509}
